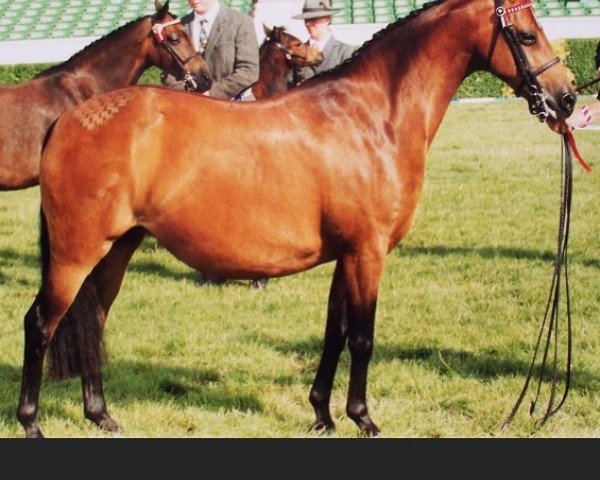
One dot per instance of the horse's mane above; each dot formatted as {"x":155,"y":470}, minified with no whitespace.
{"x":85,"y":50}
{"x":377,"y":36}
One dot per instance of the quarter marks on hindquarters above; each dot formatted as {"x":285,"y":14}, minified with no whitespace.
{"x":98,"y":110}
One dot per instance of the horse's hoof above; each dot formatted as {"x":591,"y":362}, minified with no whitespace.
{"x":260,"y":283}
{"x":34,"y":433}
{"x":322,"y":428}
{"x":369,"y":429}
{"x":106,"y":423}
{"x":109,"y":425}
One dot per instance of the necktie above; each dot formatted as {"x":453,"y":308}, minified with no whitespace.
{"x":203,"y":40}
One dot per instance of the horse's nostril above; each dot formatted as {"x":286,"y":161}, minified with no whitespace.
{"x":568,"y":102}
{"x":204,"y":81}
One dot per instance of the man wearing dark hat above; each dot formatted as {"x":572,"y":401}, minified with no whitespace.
{"x":317,"y":18}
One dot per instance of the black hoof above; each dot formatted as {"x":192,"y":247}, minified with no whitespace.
{"x":260,"y":283}
{"x":37,"y":433}
{"x":369,"y":429}
{"x":322,"y":428}
{"x":105,"y":422}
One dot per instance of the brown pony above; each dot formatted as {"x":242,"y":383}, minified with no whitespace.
{"x":114,"y":61}
{"x":331,"y":171}
{"x":279,"y":54}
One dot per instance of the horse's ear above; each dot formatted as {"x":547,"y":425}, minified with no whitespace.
{"x":267,"y":30}
{"x":161,"y":10}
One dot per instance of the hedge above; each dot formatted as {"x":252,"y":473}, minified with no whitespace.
{"x":578,"y":55}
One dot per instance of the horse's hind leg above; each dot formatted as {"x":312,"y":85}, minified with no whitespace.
{"x":335,"y":339}
{"x":362,"y":273}
{"x":107,"y":277}
{"x":58,"y":291}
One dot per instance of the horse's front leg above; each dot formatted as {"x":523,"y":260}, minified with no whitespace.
{"x":335,"y":339}
{"x":362,"y":272}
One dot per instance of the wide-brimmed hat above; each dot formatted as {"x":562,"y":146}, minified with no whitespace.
{"x":316,"y":9}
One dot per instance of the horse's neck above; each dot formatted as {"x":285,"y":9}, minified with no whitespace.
{"x":273,"y":70}
{"x":106,"y":65}
{"x":417,"y":68}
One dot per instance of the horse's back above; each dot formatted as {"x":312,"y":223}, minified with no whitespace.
{"x":164,"y":160}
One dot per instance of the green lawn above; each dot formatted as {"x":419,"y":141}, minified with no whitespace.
{"x":459,"y":309}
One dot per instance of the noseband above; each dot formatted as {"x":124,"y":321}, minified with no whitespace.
{"x":289,"y":54}
{"x":529,"y":83}
{"x":157,"y":30}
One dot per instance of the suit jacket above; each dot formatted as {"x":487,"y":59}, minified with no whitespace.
{"x":335,"y":52}
{"x":231,"y":53}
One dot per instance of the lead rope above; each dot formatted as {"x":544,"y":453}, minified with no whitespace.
{"x":551,"y":322}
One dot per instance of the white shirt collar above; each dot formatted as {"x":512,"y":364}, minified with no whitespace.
{"x":210,"y":15}
{"x":321,"y":43}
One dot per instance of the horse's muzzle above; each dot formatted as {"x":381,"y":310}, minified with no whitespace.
{"x":567,"y":103}
{"x":203,"y":82}
{"x":562,"y":105}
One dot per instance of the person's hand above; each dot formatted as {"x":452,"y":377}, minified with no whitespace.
{"x":581,"y":118}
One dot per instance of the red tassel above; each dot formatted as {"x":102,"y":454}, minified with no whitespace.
{"x":573,"y":146}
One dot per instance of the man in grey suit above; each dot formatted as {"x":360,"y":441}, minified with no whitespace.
{"x":317,"y":18}
{"x":227,"y":40}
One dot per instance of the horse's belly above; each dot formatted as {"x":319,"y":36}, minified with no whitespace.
{"x":241,"y":246}
{"x":21,"y":137}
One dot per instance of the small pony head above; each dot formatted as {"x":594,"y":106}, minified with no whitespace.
{"x":175,"y":51}
{"x":297,"y":53}
{"x":521,"y":55}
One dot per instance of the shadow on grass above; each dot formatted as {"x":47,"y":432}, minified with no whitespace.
{"x":484,"y":366}
{"x":487,"y":253}
{"x":9,"y":254}
{"x":128,"y":382}
{"x":154,"y":268}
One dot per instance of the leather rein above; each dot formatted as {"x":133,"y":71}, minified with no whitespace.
{"x":549,"y":330}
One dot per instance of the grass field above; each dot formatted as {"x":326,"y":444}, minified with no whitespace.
{"x":459,"y":309}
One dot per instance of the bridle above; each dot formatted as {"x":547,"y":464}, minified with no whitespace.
{"x":289,"y":54}
{"x":529,"y":83}
{"x":157,"y":29}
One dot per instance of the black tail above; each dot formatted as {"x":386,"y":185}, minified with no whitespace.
{"x":76,"y":348}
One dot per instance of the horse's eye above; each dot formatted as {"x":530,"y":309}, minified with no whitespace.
{"x":173,"y":39}
{"x":527,"y":38}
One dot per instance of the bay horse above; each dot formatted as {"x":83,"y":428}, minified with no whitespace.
{"x":331,"y":171}
{"x":114,"y":61}
{"x":279,"y":54}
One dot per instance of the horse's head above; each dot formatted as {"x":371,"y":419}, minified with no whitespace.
{"x":297,"y":53}
{"x":521,"y":55}
{"x":174,"y":52}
